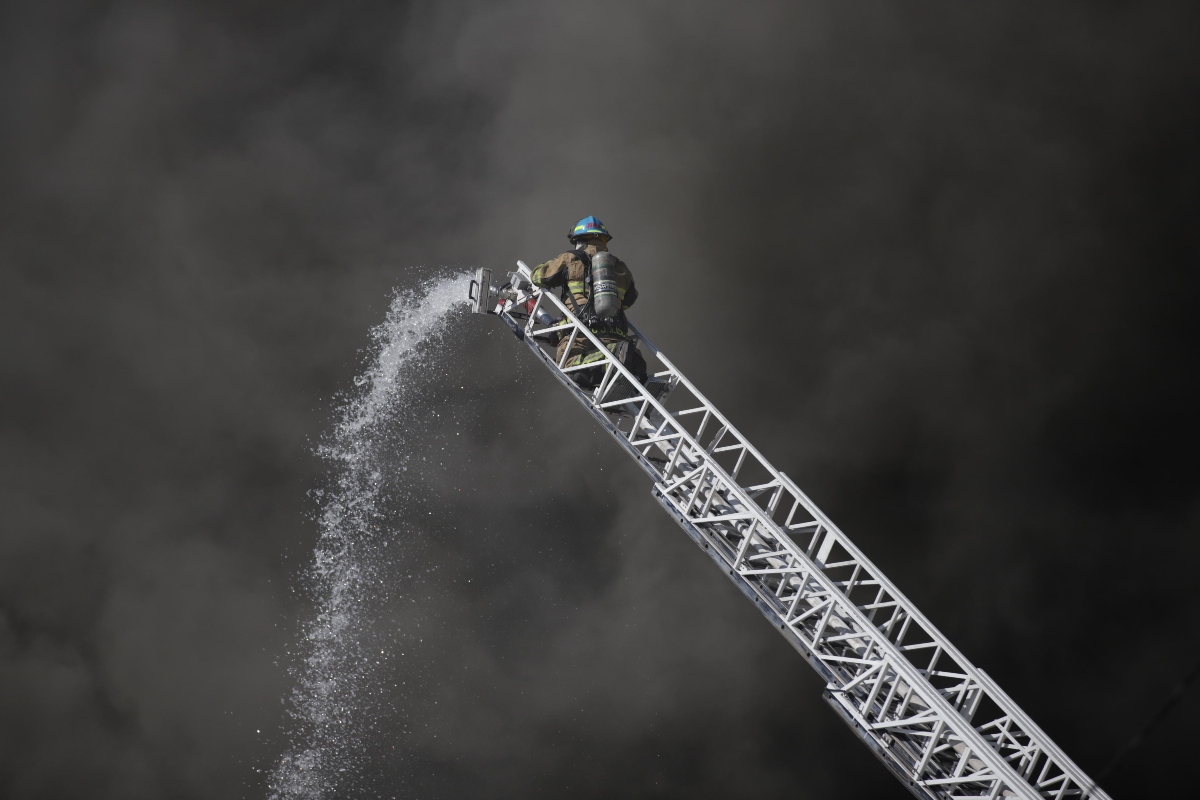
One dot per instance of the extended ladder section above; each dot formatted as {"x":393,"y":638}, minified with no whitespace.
{"x":940,"y":724}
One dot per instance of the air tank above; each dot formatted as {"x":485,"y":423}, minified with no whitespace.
{"x":605,"y":300}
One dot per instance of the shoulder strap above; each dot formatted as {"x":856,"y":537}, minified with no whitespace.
{"x":570,"y":296}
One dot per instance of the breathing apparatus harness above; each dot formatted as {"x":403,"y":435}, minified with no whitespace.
{"x":612,"y":325}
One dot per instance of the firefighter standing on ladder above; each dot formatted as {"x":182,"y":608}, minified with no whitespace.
{"x":599,"y":287}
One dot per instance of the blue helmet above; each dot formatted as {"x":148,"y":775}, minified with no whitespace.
{"x":589,"y":226}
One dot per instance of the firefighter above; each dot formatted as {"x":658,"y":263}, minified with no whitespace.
{"x":597,"y":287}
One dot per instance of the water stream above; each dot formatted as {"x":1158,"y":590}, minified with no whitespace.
{"x":333,"y":676}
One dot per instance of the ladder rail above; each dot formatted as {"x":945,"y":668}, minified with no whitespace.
{"x":918,"y":716}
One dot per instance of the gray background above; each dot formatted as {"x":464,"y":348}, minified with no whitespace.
{"x":945,"y":257}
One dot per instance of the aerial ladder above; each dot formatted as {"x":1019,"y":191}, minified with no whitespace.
{"x":940,"y":724}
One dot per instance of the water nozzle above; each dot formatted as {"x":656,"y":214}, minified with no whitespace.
{"x":481,"y":293}
{"x":519,"y":293}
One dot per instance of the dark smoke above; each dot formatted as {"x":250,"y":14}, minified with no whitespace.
{"x":938,"y":260}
